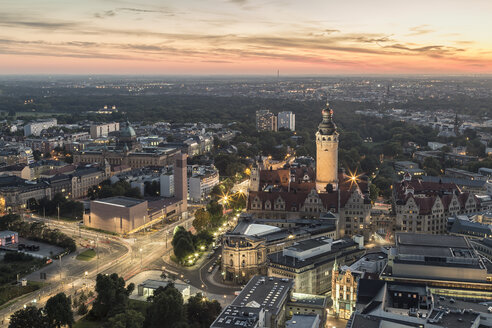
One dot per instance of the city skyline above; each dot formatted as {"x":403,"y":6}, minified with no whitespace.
{"x":245,"y":37}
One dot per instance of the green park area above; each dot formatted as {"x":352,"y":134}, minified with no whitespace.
{"x":86,"y":255}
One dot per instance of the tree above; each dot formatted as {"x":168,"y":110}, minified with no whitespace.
{"x":202,"y":220}
{"x":112,"y":296}
{"x":166,"y":309}
{"x":373,"y":192}
{"x":127,"y":319}
{"x":201,"y":312}
{"x":30,"y":317}
{"x":214,"y":208}
{"x":59,"y":311}
{"x":183,"y":248}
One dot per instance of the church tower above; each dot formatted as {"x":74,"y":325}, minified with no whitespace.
{"x":326,"y":152}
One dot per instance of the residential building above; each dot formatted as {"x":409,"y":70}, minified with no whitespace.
{"x":19,"y":170}
{"x":35,"y":128}
{"x":16,"y":154}
{"x":201,"y":182}
{"x":266,"y":121}
{"x":286,"y":120}
{"x":103,"y":130}
{"x":167,"y":184}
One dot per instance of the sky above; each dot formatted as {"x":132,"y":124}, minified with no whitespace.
{"x":296,"y":37}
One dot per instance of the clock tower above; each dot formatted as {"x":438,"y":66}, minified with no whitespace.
{"x":326,"y":152}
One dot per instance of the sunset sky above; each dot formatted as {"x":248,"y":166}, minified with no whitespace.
{"x":246,"y":37}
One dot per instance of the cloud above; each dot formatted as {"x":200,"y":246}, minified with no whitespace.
{"x":420,"y":30}
{"x":238,"y":2}
{"x":104,"y":14}
{"x":20,"y":21}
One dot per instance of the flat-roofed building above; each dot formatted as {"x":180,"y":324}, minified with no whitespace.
{"x":103,"y":130}
{"x":309,"y":262}
{"x":448,"y":264}
{"x":303,"y":321}
{"x":117,"y":214}
{"x":261,"y":303}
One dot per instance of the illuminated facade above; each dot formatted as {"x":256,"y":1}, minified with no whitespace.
{"x":343,"y":292}
{"x":326,"y":152}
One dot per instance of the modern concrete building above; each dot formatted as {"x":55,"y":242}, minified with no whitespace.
{"x":309,"y":262}
{"x":303,"y":321}
{"x":35,"y":128}
{"x":200,"y":184}
{"x":261,"y":303}
{"x":286,"y":120}
{"x":103,"y":130}
{"x":117,"y":214}
{"x":167,"y":184}
{"x":266,"y":121}
{"x":449,"y":265}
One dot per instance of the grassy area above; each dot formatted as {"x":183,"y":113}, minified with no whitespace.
{"x":9,"y":292}
{"x":86,"y":255}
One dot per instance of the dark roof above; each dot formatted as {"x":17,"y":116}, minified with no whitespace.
{"x":120,"y":201}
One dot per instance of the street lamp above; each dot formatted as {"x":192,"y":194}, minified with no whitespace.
{"x":140,"y":258}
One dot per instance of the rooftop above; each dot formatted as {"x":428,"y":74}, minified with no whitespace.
{"x":302,"y":321}
{"x":268,"y":292}
{"x":120,"y":201}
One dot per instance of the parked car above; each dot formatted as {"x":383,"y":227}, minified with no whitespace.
{"x":211,"y":269}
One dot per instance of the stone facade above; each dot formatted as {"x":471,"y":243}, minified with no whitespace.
{"x":326,"y":152}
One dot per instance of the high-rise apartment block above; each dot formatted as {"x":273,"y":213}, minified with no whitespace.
{"x":286,"y":120}
{"x":266,"y":121}
{"x":35,"y":128}
{"x":102,"y":130}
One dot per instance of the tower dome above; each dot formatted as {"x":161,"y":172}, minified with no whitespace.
{"x":327,"y":126}
{"x":127,"y":131}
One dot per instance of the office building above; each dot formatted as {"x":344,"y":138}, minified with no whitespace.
{"x":449,"y":265}
{"x":309,"y":262}
{"x":261,"y":303}
{"x":286,"y":120}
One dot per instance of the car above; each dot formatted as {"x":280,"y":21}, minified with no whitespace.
{"x":187,"y":281}
{"x":211,"y":269}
